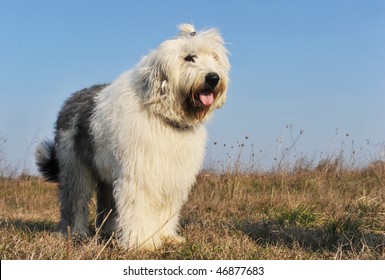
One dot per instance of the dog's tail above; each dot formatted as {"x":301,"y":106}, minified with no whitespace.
{"x":46,"y":161}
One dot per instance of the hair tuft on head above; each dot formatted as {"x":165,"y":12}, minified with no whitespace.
{"x":186,"y":30}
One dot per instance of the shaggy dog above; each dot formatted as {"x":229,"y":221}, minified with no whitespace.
{"x":139,"y":141}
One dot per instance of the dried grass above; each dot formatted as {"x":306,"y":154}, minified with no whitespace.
{"x":324,"y":211}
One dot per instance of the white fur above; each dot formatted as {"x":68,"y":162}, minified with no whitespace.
{"x":154,"y":164}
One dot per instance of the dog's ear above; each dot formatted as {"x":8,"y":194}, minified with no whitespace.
{"x":155,"y":87}
{"x":154,"y":81}
{"x":214,"y":36}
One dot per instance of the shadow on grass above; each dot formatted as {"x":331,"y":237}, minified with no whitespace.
{"x":49,"y":227}
{"x":29,"y":226}
{"x":313,"y":239}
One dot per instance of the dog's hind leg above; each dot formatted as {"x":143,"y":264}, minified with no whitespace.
{"x":76,"y":185}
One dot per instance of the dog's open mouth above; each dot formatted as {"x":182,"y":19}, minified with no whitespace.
{"x":206,"y":97}
{"x":200,"y":101}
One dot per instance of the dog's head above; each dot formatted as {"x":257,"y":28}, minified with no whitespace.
{"x":186,"y":77}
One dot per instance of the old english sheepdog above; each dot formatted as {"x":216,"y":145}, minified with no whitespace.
{"x":139,"y":141}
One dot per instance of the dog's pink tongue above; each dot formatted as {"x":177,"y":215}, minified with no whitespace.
{"x":206,"y":98}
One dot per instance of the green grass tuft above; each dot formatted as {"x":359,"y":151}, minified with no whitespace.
{"x":298,"y":216}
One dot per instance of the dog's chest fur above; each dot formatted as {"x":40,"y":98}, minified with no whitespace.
{"x":136,"y":144}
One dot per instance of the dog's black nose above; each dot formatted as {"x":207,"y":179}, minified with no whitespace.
{"x":212,"y":79}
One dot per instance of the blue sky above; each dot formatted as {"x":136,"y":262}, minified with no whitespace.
{"x":316,"y":66}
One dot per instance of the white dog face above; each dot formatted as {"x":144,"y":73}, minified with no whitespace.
{"x":186,"y":77}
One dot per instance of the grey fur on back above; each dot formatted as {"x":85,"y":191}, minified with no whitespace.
{"x":76,"y":114}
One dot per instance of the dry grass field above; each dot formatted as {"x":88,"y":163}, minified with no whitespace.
{"x":325,"y":212}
